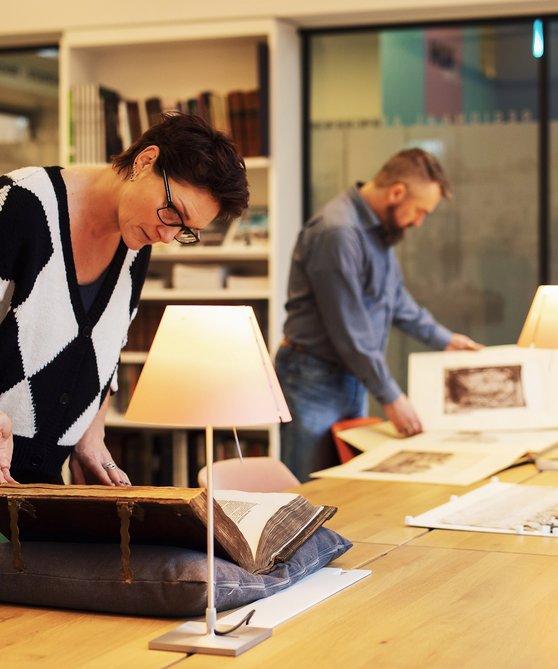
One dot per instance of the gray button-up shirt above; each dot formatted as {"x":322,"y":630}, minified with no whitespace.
{"x":346,"y":290}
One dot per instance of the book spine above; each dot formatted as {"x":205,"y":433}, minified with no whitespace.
{"x":263,"y":85}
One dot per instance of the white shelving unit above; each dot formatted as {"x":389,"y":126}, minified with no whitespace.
{"x":175,"y":61}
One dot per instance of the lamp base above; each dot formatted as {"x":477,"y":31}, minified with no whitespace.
{"x":192,"y":637}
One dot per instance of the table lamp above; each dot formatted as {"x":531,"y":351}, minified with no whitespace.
{"x":540,"y":329}
{"x":209,"y":367}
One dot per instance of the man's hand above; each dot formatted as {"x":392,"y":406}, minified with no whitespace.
{"x":6,"y":448}
{"x":402,"y":414}
{"x":460,"y":342}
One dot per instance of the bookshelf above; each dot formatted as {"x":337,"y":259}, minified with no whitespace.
{"x":176,"y":61}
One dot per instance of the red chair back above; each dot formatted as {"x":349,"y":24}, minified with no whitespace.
{"x":345,"y":450}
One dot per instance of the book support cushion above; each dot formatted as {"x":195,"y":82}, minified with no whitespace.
{"x":167,"y":580}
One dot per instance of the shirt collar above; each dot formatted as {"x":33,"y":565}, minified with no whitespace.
{"x":367,"y":215}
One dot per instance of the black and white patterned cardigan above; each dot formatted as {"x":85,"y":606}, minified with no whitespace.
{"x":57,"y":362}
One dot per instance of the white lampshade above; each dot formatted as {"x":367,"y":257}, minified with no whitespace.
{"x":208,"y":365}
{"x":541,"y":325}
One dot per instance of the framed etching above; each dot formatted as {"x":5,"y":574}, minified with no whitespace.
{"x":496,"y":388}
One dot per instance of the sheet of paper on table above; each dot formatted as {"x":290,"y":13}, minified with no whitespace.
{"x":508,"y":508}
{"x":430,"y":458}
{"x":369,"y":437}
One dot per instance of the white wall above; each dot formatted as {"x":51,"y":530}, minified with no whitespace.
{"x":35,"y":19}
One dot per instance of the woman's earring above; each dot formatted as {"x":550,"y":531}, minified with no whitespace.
{"x":134,"y":173}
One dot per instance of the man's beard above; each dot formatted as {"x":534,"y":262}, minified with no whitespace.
{"x":390,"y":232}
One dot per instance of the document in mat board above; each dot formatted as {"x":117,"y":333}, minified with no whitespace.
{"x":496,"y":388}
{"x":451,"y":460}
{"x":366,"y":438}
{"x":252,"y":529}
{"x":508,"y":508}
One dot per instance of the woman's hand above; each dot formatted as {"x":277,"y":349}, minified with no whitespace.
{"x":91,"y":461}
{"x":6,"y":448}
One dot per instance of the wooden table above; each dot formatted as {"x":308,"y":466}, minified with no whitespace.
{"x":433,"y":600}
{"x":424,"y":608}
{"x":56,"y":639}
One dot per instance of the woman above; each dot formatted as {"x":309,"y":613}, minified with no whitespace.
{"x":74,"y":248}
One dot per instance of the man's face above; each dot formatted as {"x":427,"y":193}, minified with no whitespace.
{"x":408,"y":205}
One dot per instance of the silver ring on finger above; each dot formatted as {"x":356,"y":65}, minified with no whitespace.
{"x":108,"y":465}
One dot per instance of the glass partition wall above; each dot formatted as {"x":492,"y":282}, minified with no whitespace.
{"x":28,"y":107}
{"x":470,"y":94}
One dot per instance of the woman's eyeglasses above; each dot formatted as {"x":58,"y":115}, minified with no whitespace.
{"x":170,"y":216}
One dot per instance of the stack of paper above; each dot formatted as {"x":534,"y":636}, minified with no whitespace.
{"x":480,"y":410}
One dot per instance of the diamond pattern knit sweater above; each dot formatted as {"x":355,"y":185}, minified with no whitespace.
{"x":57,"y":362}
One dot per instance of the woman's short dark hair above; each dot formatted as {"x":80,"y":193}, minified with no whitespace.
{"x":191,"y":150}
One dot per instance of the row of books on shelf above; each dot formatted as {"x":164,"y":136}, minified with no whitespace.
{"x":128,"y":376}
{"x":143,"y":328}
{"x":147,"y":457}
{"x":103,"y":122}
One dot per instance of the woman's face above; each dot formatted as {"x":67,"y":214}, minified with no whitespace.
{"x":145,"y":194}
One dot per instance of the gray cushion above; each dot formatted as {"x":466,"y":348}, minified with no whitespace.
{"x":167,"y":580}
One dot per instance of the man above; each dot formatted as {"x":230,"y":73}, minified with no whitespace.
{"x":345,"y":291}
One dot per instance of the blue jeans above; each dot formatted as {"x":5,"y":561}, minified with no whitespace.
{"x":318,"y":394}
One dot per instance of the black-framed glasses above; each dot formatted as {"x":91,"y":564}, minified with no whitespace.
{"x":169,"y":215}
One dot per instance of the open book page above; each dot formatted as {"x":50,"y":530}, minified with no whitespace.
{"x":251,"y":511}
{"x":273,"y":524}
{"x":509,"y":508}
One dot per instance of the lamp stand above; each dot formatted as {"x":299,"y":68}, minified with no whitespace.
{"x":191,"y":636}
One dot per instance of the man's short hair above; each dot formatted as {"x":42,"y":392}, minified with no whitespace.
{"x":413,"y":165}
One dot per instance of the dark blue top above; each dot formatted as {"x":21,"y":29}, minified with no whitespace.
{"x":89,"y":291}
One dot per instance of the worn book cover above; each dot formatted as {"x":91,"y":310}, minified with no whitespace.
{"x":254,"y":530}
